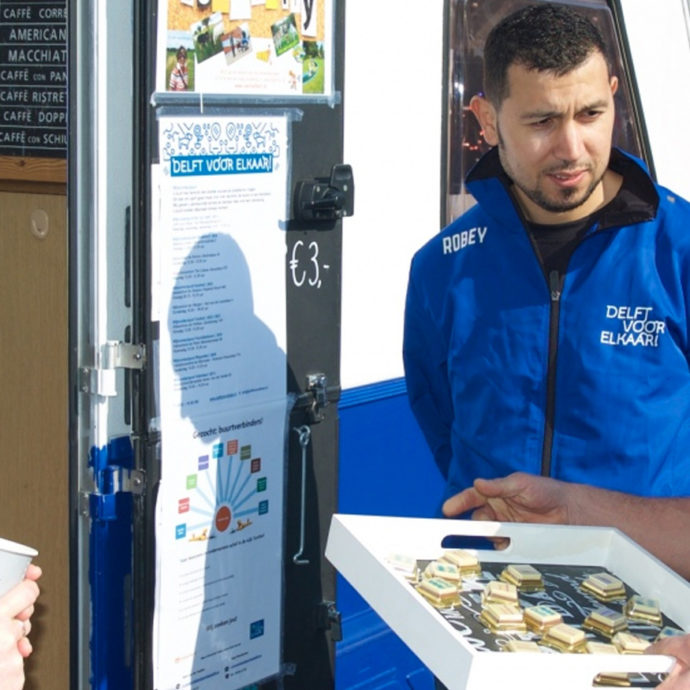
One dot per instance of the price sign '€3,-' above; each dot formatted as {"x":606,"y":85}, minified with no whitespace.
{"x":305,"y":265}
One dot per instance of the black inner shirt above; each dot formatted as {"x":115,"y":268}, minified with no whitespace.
{"x":556,"y":243}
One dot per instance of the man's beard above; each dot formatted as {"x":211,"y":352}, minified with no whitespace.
{"x":566,"y":202}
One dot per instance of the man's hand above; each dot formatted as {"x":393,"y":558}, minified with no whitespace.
{"x":679,"y":678}
{"x":33,"y":573}
{"x":655,"y":523}
{"x":16,"y":609}
{"x":519,"y":497}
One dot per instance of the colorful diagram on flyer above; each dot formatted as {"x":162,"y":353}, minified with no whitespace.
{"x":227,"y":493}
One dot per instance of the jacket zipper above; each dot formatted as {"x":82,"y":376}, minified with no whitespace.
{"x":555,"y":288}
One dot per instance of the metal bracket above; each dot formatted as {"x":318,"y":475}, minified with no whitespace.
{"x":97,"y":381}
{"x":118,"y":355}
{"x":102,"y":505}
{"x":289,"y":668}
{"x":131,"y":481}
{"x":114,"y":355}
{"x":318,"y":395}
{"x":114,"y":479}
{"x":317,"y":384}
{"x":83,"y":503}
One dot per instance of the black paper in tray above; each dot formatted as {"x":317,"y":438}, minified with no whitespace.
{"x":562,"y":593}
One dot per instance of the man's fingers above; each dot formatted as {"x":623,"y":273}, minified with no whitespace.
{"x":500,"y":543}
{"x":26,"y":613}
{"x":485,"y":513}
{"x":674,"y":646}
{"x":24,"y":646}
{"x":19,"y":598}
{"x":20,"y":629}
{"x":33,"y":572}
{"x":469,"y":499}
{"x":476,"y":496}
{"x":502,"y":487}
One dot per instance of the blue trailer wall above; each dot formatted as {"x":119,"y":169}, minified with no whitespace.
{"x":385,"y":469}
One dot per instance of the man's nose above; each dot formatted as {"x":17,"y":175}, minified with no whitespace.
{"x":568,"y":145}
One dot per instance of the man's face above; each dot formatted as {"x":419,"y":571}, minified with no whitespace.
{"x":554,"y":138}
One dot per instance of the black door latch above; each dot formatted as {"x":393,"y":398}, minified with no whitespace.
{"x":325,"y":199}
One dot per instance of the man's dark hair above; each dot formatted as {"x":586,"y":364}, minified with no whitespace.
{"x":544,"y":37}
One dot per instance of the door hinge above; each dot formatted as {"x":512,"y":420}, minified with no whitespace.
{"x":116,"y":354}
{"x":111,"y":481}
{"x":113,"y":355}
{"x":113,"y":477}
{"x":329,"y":618}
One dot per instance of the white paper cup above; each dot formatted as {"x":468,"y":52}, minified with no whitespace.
{"x":14,"y":560}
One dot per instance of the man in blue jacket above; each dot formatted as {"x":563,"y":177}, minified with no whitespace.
{"x":547,"y":330}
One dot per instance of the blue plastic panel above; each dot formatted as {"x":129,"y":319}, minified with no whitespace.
{"x":110,"y":571}
{"x":386,"y":468}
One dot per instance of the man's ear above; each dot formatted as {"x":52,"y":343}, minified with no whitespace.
{"x":614,"y":85}
{"x":486,"y":116}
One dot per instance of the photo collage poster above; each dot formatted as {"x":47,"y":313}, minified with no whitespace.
{"x":246,"y":47}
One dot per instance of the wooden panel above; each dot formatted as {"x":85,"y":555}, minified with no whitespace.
{"x":34,"y":413}
{"x":33,"y":169}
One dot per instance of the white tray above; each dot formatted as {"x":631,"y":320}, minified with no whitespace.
{"x":358,"y":546}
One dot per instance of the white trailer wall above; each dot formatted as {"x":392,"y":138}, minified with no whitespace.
{"x":393,"y":98}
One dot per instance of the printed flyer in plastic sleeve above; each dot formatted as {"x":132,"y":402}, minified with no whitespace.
{"x":249,"y":47}
{"x":219,"y":515}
